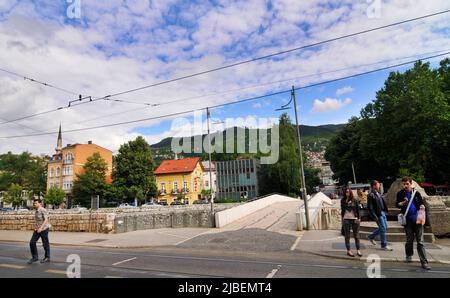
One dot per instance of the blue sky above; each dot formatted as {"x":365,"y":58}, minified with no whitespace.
{"x":120,"y":45}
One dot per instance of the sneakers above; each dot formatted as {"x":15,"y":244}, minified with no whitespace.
{"x":45,"y":260}
{"x":372,"y":241}
{"x":31,"y":261}
{"x":425,"y":266}
{"x":387,"y":248}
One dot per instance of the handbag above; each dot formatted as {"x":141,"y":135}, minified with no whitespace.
{"x":402,"y":217}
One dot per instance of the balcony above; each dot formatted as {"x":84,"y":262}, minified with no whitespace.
{"x":184,"y":190}
{"x":68,"y":161}
{"x":175,"y":191}
{"x":162,"y":192}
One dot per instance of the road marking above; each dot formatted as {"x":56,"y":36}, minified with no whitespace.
{"x":297,"y":241}
{"x":11,"y":266}
{"x":187,"y":239}
{"x":177,"y":236}
{"x":273,"y":272}
{"x":124,"y":261}
{"x":111,"y":276}
{"x":56,"y":271}
{"x":335,"y":238}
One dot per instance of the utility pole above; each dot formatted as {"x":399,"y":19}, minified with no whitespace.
{"x":302,"y":172}
{"x":208,"y":116}
{"x":354,"y":176}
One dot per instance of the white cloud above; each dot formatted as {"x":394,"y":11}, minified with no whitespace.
{"x":344,"y":90}
{"x":120,"y":47}
{"x":329,"y":104}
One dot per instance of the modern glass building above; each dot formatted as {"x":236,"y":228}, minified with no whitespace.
{"x":237,"y":179}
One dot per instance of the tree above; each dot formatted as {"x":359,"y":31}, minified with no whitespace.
{"x":54,"y":196}
{"x":23,"y":169}
{"x":91,"y":181}
{"x":406,"y":129}
{"x":284,"y":176}
{"x":133,"y":172}
{"x":14,"y":195}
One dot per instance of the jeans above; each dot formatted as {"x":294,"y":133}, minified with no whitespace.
{"x":45,"y":244}
{"x":381,"y":230}
{"x":414,"y":230}
{"x":354,"y":224}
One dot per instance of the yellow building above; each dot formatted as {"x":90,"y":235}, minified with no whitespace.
{"x":179,"y":180}
{"x":69,"y":161}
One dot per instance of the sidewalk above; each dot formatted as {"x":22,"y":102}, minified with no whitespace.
{"x":136,"y":239}
{"x":330,"y":243}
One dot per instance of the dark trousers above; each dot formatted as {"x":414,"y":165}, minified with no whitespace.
{"x":354,"y":224}
{"x":414,"y":230}
{"x":45,"y":243}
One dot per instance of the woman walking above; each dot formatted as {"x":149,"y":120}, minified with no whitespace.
{"x":350,"y":216}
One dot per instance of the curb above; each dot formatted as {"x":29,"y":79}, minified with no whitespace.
{"x":356,"y":258}
{"x":89,"y":245}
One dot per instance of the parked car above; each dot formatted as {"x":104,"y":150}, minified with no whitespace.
{"x":150,"y":205}
{"x":78,"y":208}
{"x":177,"y":203}
{"x":201,"y":201}
{"x":125,"y":205}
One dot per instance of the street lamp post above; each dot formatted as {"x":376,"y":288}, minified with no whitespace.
{"x":208,"y":115}
{"x":302,"y":171}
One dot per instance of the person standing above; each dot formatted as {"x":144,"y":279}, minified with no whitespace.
{"x":413,"y":227}
{"x":42,"y":227}
{"x":351,"y":219}
{"x":377,"y":211}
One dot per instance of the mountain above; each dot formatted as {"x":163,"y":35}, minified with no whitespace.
{"x":309,"y":135}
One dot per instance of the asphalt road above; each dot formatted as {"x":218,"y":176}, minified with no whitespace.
{"x":193,"y":263}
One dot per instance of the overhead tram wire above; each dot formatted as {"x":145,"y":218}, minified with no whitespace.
{"x":108,"y":97}
{"x":38,"y":82}
{"x":264,"y":84}
{"x":239,"y":89}
{"x":229,"y":103}
{"x":281,"y":52}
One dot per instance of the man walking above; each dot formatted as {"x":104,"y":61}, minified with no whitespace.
{"x":377,"y":211}
{"x":41,"y":231}
{"x":412,"y":228}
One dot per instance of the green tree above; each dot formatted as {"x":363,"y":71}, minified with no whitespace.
{"x":54,"y":196}
{"x":284,"y":176}
{"x":133,"y":173}
{"x":14,"y":195}
{"x":91,"y":181}
{"x":406,"y":129}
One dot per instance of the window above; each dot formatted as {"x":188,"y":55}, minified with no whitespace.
{"x":206,"y":183}
{"x":185,"y":185}
{"x":58,"y":172}
{"x":69,"y":157}
{"x":175,"y":185}
{"x":163,"y":186}
{"x":52,"y":173}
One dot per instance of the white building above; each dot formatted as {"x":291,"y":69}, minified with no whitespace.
{"x":206,"y":178}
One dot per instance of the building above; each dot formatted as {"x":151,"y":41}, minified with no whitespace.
{"x":237,"y":179}
{"x":69,"y":161}
{"x":206,"y":176}
{"x":180,"y":180}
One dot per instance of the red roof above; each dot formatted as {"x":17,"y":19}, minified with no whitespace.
{"x":185,"y":165}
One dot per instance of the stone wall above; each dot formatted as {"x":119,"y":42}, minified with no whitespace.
{"x":115,"y":220}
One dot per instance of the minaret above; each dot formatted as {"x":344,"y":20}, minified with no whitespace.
{"x":59,"y":142}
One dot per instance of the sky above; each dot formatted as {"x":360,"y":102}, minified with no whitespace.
{"x":98,"y":48}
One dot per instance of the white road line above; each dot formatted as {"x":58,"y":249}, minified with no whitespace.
{"x":297,"y":241}
{"x":173,"y":235}
{"x":11,"y":266}
{"x":124,"y":261}
{"x":182,"y":241}
{"x":111,"y":276}
{"x":273,"y":272}
{"x":56,"y":271}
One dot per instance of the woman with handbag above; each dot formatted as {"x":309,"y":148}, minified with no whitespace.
{"x":351,"y":219}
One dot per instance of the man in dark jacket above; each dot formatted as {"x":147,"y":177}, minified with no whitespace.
{"x":377,"y":211}
{"x":412,"y":229}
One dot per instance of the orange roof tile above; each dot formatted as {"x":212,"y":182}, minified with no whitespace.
{"x":185,"y":165}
